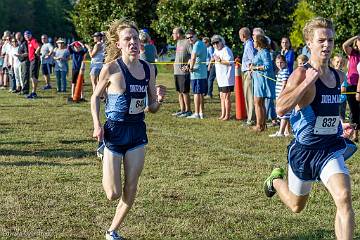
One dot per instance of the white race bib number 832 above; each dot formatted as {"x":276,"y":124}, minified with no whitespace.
{"x":137,"y":105}
{"x":326,"y":125}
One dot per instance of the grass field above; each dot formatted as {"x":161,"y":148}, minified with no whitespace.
{"x":202,"y":178}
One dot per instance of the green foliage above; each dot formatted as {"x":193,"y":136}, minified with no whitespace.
{"x":90,"y":16}
{"x":301,"y":14}
{"x":274,"y":16}
{"x":344,"y":14}
{"x":40,"y":16}
{"x":224,"y":17}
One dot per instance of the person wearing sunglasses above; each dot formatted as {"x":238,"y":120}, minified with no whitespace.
{"x":198,"y":72}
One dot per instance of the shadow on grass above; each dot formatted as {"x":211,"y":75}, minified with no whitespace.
{"x":314,"y":235}
{"x":49,"y":153}
{"x":19,"y":142}
{"x":78,"y":141}
{"x":40,"y":163}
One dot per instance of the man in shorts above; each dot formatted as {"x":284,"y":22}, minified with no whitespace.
{"x":34,"y":51}
{"x":181,"y":72}
{"x":46,"y":52}
{"x":198,"y":72}
{"x":319,"y":150}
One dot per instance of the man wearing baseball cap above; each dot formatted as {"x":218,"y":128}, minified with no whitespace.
{"x":34,"y":51}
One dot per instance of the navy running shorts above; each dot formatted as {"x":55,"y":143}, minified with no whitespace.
{"x":120,"y":137}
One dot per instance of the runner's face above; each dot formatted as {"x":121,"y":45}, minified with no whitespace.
{"x":322,"y":44}
{"x":129,"y":42}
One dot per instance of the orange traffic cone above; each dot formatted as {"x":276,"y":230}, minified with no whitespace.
{"x":239,"y":94}
{"x":79,"y":83}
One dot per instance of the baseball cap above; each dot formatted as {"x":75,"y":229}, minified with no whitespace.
{"x":60,"y":40}
{"x":77,"y":44}
{"x":27,"y":32}
{"x":97,"y":34}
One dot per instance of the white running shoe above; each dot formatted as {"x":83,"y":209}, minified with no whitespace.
{"x":201,"y":116}
{"x":113,"y":235}
{"x":277,"y":134}
{"x":194,"y":116}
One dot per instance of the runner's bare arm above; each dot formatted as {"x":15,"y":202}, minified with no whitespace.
{"x":299,"y":85}
{"x":95,"y":101}
{"x":156,"y":94}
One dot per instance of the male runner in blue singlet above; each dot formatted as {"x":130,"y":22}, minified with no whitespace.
{"x":130,"y":86}
{"x":318,"y":151}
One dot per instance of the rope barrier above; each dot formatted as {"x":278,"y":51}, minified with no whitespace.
{"x":257,"y":72}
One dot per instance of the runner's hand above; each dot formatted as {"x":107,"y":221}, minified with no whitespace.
{"x":160,"y":92}
{"x":347,"y":130}
{"x":98,"y":133}
{"x":311,"y":76}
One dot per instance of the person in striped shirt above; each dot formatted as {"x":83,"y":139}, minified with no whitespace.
{"x":281,"y":79}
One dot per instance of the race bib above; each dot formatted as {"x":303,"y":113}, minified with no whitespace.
{"x":137,"y":105}
{"x":326,"y":125}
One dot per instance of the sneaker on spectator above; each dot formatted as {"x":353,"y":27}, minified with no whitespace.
{"x":185,"y":114}
{"x":277,"y":134}
{"x":178,"y":113}
{"x":113,"y":235}
{"x":201,"y":116}
{"x":194,"y":116}
{"x":30,"y":96}
{"x":248,"y":123}
{"x":46,"y":87}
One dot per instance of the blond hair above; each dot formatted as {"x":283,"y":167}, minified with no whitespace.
{"x":112,"y":37}
{"x":302,"y":58}
{"x":316,"y":23}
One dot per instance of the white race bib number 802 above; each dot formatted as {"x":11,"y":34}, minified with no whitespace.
{"x":326,"y":125}
{"x":137,"y":105}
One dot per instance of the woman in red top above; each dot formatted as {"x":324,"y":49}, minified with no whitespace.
{"x":352,"y":49}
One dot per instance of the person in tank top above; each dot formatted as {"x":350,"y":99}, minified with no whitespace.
{"x":319,"y":149}
{"x":131,"y":91}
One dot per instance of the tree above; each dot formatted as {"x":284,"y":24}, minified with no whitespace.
{"x":344,"y":14}
{"x":39,"y":16}
{"x":301,"y":14}
{"x":224,"y":17}
{"x":90,"y":16}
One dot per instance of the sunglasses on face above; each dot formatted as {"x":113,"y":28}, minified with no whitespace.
{"x":190,"y":37}
{"x":215,"y":43}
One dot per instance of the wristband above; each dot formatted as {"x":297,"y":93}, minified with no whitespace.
{"x":358,"y":92}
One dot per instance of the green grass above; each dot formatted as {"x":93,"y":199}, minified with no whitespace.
{"x":202,"y":178}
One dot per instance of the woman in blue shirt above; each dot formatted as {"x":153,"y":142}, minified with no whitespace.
{"x":263,"y":79}
{"x":288,"y":53}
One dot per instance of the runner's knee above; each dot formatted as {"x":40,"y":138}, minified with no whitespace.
{"x":343,"y":198}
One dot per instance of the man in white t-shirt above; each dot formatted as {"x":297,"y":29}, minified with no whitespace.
{"x":46,"y":60}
